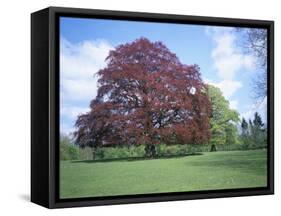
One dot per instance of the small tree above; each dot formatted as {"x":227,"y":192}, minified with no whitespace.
{"x":223,"y":119}
{"x":68,"y":151}
{"x":253,"y":133}
{"x":231,"y":134}
{"x":258,"y":131}
{"x":245,"y":133}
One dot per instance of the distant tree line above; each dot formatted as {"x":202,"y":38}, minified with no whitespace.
{"x":253,"y":132}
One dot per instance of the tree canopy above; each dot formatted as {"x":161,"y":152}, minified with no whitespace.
{"x":146,"y":96}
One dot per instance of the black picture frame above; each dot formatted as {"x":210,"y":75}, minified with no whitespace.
{"x":45,"y":106}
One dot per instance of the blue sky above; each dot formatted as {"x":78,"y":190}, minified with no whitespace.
{"x":85,"y":43}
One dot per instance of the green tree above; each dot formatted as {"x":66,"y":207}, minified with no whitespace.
{"x":223,"y":119}
{"x":245,"y":133}
{"x":253,"y":133}
{"x":68,"y":151}
{"x":231,"y":134}
{"x":258,"y":132}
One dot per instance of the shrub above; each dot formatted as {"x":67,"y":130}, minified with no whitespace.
{"x":73,"y":152}
{"x":117,"y":152}
{"x":85,"y":153}
{"x":68,"y":151}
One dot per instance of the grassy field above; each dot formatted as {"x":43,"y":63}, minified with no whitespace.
{"x":212,"y":170}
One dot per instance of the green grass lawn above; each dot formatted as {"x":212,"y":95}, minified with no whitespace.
{"x":212,"y":170}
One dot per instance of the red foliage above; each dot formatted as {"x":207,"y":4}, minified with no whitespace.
{"x":146,"y":96}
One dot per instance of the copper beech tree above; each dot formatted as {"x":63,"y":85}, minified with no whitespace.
{"x":146,"y":96}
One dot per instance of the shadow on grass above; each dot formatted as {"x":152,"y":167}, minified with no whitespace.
{"x":135,"y":158}
{"x":254,"y":165}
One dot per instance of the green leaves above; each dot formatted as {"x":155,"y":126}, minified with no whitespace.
{"x":223,"y":119}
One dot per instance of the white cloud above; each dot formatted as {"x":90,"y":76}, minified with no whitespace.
{"x":228,"y":61}
{"x":249,"y":62}
{"x":217,"y":30}
{"x":78,"y":66}
{"x":228,"y":87}
{"x":79,"y":89}
{"x":73,"y":111}
{"x":66,"y":129}
{"x":233,"y":104}
{"x":79,"y":63}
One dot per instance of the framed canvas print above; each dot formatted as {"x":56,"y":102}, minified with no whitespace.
{"x":139,"y":107}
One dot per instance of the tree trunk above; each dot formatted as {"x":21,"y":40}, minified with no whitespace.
{"x":213,"y":148}
{"x":150,"y":150}
{"x":94,"y":153}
